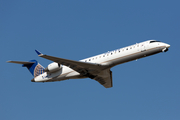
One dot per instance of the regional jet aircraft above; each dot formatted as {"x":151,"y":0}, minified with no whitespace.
{"x":96,"y":67}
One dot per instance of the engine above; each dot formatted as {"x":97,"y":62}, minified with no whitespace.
{"x":53,"y":67}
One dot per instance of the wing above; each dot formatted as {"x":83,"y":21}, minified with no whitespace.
{"x":78,"y":66}
{"x":105,"y":79}
{"x":91,"y":70}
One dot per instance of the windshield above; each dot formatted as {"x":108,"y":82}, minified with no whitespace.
{"x":154,"y":41}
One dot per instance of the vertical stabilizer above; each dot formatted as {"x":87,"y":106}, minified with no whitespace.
{"x":35,"y":68}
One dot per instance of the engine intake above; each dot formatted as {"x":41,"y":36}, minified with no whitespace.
{"x":53,"y":67}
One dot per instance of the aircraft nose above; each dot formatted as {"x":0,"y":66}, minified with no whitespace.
{"x":167,"y":45}
{"x":33,"y":80}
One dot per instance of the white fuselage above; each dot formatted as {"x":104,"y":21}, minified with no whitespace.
{"x":108,"y":59}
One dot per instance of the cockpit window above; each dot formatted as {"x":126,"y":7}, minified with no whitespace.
{"x":154,"y":41}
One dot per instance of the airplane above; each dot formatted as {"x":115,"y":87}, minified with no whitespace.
{"x":96,"y":67}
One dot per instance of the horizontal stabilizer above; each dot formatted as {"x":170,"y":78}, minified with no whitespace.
{"x":21,"y":62}
{"x":33,"y":66}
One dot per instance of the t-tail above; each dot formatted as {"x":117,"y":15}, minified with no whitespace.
{"x":33,"y":66}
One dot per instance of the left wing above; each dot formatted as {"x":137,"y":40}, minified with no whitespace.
{"x":91,"y":70}
{"x":78,"y":66}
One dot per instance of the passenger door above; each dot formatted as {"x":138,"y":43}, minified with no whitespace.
{"x":143,"y":47}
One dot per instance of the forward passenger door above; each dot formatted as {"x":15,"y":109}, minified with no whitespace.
{"x":143,"y":47}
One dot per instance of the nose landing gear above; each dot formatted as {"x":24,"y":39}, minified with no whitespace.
{"x":165,"y":50}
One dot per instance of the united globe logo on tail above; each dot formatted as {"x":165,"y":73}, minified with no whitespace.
{"x":34,"y":67}
{"x":38,"y":70}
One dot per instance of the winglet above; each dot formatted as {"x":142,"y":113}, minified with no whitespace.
{"x":39,"y":53}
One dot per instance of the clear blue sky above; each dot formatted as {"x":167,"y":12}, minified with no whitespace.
{"x":147,"y":89}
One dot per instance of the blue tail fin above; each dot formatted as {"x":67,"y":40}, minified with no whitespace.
{"x":34,"y":67}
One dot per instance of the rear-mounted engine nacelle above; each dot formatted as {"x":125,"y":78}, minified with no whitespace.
{"x":53,"y":67}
